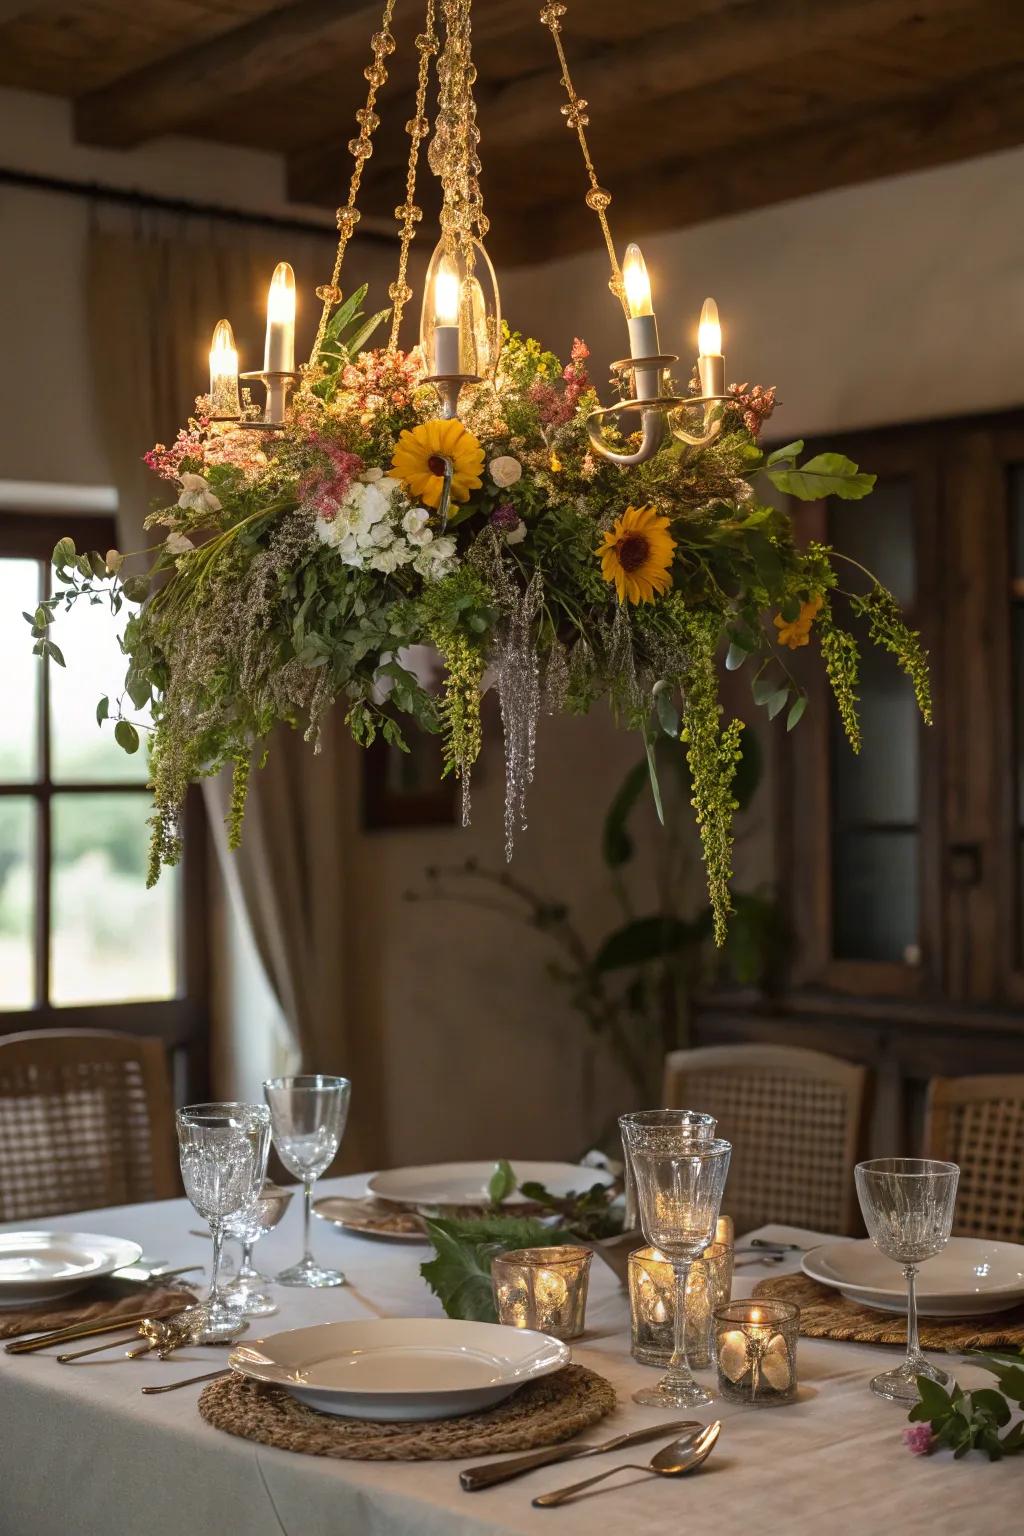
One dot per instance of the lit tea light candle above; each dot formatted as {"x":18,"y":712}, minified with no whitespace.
{"x":652,"y":1302}
{"x":543,"y":1288}
{"x":642,"y":323}
{"x":756,"y":1348}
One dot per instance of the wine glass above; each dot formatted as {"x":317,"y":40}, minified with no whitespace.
{"x":223,"y":1153}
{"x":635,"y":1126}
{"x":308,"y":1115}
{"x":907,"y":1204}
{"x":244,"y":1292}
{"x":679,"y":1185}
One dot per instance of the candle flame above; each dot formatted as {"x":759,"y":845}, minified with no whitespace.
{"x":446,"y":293}
{"x":709,"y":331}
{"x":223,"y":353}
{"x":281,"y":298}
{"x":636,"y":282}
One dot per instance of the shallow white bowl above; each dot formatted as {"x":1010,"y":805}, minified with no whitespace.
{"x":971,"y":1276}
{"x":402,"y":1367}
{"x":466,"y":1183}
{"x":44,"y":1266}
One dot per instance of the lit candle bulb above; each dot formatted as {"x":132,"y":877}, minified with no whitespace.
{"x":279,"y":352}
{"x":710,"y":362}
{"x":446,"y":317}
{"x":224,"y":372}
{"x":643,"y":326}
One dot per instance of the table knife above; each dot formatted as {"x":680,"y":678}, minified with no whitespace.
{"x":73,"y":1331}
{"x":492,"y":1472}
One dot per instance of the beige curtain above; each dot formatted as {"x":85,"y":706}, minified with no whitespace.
{"x":156,"y":287}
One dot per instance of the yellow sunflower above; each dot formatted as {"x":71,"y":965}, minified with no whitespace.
{"x":636,"y":555}
{"x":419,"y":457}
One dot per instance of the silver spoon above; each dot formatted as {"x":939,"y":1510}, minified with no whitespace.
{"x":680,"y":1456}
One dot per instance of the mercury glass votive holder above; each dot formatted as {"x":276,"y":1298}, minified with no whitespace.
{"x":652,"y":1303}
{"x":755,"y":1345}
{"x":543,"y":1288}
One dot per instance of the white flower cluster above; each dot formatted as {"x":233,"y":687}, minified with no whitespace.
{"x":378,"y":529}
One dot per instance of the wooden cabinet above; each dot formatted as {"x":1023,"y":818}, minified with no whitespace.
{"x":902,"y":868}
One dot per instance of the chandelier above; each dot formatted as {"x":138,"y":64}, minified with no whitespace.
{"x":475,"y":497}
{"x":460,"y":320}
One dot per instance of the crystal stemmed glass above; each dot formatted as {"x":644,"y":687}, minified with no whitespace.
{"x":679,"y":1185}
{"x":244,"y":1291}
{"x":308,"y":1115}
{"x":638,"y":1123}
{"x":907,"y":1204}
{"x":223,"y":1152}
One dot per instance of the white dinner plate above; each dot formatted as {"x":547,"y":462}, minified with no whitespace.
{"x":402,"y":1367}
{"x":466,"y":1183}
{"x":43,"y":1266}
{"x":971,"y":1276}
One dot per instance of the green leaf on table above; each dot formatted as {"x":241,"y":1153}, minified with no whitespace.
{"x":460,"y":1273}
{"x":934,"y":1401}
{"x":993,"y":1404}
{"x":126,"y":736}
{"x":502,"y":1182}
{"x":827,"y":474}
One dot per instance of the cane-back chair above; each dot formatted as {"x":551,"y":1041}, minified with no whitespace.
{"x":978,"y":1123}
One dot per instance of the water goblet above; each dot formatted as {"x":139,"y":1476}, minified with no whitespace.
{"x":244,"y":1291}
{"x":642,"y":1123}
{"x":679,"y":1185}
{"x":308,"y":1115}
{"x":907,"y":1204}
{"x":223,"y":1153}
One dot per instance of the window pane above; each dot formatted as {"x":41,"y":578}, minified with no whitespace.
{"x":80,"y":750}
{"x":20,"y":674}
{"x":879,"y":532}
{"x":875,"y":886}
{"x":111,"y":939}
{"x":880,"y":783}
{"x":17,"y":901}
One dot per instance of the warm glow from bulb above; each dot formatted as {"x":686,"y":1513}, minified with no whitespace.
{"x":446,"y":293}
{"x":637,"y":283}
{"x":709,"y":331}
{"x":223,"y":353}
{"x":281,"y":298}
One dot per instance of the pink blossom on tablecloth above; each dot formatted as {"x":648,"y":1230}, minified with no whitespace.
{"x":919,"y":1439}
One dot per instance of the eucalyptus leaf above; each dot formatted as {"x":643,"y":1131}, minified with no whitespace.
{"x":64,"y":553}
{"x":796,"y":711}
{"x":54,"y":652}
{"x":652,"y":770}
{"x":735,"y":656}
{"x":763,"y":688}
{"x":126,"y":736}
{"x":777,"y":702}
{"x":102,"y":710}
{"x":665,"y":708}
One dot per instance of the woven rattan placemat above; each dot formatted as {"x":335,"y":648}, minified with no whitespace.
{"x":87,"y":1307}
{"x":541,"y":1413}
{"x":824,"y":1314}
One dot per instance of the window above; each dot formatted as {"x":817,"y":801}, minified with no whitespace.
{"x":81,"y":939}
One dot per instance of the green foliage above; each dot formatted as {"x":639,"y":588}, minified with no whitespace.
{"x":641,"y":941}
{"x":966,"y":1421}
{"x":842,"y":665}
{"x":460,"y":1273}
{"x":344,"y":339}
{"x":889,"y":630}
{"x":827,"y":474}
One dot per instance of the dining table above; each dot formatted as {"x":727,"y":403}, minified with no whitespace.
{"x":83,"y":1452}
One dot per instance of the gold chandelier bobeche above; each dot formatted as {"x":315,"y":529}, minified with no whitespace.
{"x":460,"y":320}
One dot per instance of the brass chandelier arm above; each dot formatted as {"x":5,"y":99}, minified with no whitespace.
{"x":575,"y":113}
{"x":408,"y":213}
{"x":653,"y":434}
{"x":382,"y":45}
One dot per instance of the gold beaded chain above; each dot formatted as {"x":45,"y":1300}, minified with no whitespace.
{"x":408,"y":214}
{"x":575,"y":114}
{"x":453,"y":153}
{"x":382,"y":44}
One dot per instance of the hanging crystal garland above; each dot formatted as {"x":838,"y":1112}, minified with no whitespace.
{"x":514,"y":659}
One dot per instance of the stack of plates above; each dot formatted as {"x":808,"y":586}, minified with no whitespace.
{"x":401,"y":1368}
{"x":46,"y":1266}
{"x":970,"y":1277}
{"x":396,"y":1197}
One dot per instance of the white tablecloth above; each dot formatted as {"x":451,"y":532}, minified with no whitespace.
{"x":83,"y":1453}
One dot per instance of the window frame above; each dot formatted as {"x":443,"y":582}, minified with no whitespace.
{"x":181,"y":1022}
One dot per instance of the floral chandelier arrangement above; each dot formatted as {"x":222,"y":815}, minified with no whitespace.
{"x":473,"y":495}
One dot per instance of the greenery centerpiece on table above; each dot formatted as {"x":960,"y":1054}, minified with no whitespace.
{"x":294,"y":569}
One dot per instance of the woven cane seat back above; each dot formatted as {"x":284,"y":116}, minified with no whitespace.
{"x":978,"y":1123}
{"x":85,"y":1121}
{"x":793,"y":1118}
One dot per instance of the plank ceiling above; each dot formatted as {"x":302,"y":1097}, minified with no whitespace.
{"x":698,"y":107}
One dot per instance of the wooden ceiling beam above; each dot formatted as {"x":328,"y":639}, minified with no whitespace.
{"x":281,"y":50}
{"x":979,"y":116}
{"x":631,"y":80}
